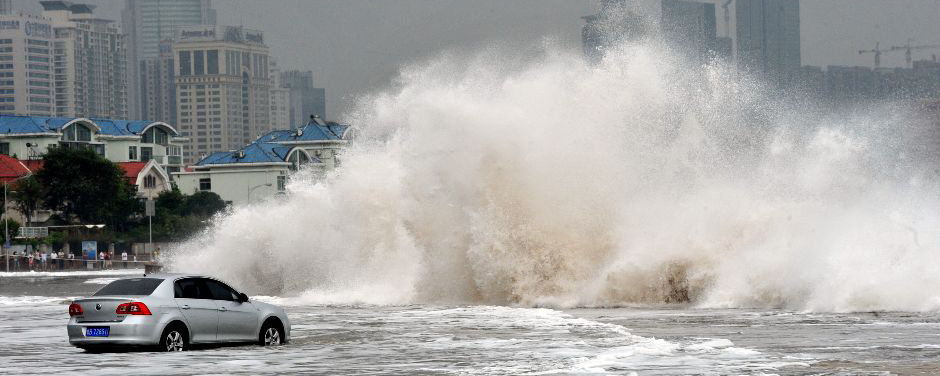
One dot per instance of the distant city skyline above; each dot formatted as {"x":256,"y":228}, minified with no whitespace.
{"x":358,"y":47}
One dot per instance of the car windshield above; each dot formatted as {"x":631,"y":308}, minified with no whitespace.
{"x":130,"y":286}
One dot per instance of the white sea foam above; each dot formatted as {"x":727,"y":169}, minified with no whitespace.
{"x":29,"y":301}
{"x":100,"y":281}
{"x":545,"y":181}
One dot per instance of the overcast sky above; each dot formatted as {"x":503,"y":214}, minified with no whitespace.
{"x":357,"y":46}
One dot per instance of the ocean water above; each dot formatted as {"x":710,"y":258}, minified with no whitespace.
{"x":492,"y":340}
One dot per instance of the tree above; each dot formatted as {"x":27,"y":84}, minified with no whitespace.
{"x":86,"y":187}
{"x":171,"y":201}
{"x":27,"y":196}
{"x":180,"y":216}
{"x":204,"y":203}
{"x":14,"y":229}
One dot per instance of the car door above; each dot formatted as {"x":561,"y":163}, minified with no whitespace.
{"x":238,"y":321}
{"x":196,"y":302}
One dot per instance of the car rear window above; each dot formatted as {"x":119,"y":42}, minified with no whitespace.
{"x":130,"y":286}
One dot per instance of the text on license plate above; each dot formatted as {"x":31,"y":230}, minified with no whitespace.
{"x":97,"y":332}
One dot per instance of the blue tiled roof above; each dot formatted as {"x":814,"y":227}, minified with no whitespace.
{"x":113,"y":127}
{"x":43,"y":124}
{"x":124,"y":127}
{"x":327,"y":131}
{"x":258,"y":152}
{"x":24,"y":124}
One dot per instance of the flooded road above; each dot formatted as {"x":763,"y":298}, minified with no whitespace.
{"x":488,"y":340}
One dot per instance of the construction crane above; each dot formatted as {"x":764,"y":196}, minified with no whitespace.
{"x":908,"y":47}
{"x":877,"y":51}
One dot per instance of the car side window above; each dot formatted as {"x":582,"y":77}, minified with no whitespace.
{"x":192,"y":288}
{"x":186,"y":288}
{"x":220,"y":291}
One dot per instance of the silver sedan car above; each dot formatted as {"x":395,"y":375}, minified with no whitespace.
{"x":173,"y":311}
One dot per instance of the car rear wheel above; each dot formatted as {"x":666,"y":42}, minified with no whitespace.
{"x":271,"y":335}
{"x":173,"y":339}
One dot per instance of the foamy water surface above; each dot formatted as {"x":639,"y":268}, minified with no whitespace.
{"x":496,"y":340}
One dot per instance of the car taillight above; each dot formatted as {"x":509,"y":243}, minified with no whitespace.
{"x":75,"y":309}
{"x":133,"y":308}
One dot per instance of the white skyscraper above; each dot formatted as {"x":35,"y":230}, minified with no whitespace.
{"x":280,"y":100}
{"x":26,"y":76}
{"x":89,"y":62}
{"x":222,"y":88}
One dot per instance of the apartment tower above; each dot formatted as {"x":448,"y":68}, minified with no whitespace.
{"x":222,"y":77}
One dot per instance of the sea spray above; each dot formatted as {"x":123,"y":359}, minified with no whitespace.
{"x":642,"y":179}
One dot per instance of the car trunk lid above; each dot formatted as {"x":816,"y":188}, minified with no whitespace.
{"x":102,"y":309}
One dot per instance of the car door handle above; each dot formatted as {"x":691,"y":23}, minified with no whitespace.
{"x":223,"y":309}
{"x":185,"y":306}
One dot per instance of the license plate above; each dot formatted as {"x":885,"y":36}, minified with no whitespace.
{"x":97,"y":332}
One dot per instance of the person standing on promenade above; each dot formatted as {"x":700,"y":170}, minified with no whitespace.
{"x":53,"y":261}
{"x":101,"y":257}
{"x":30,"y":260}
{"x":42,"y":258}
{"x":124,"y":258}
{"x":16,"y":261}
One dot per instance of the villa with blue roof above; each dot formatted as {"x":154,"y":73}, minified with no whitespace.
{"x":261,"y":169}
{"x":29,"y":137}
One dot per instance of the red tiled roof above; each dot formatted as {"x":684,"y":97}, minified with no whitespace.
{"x":34,"y":165}
{"x":132,"y":169}
{"x":11,"y":169}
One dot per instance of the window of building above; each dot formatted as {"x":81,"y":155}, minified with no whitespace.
{"x":150,"y":182}
{"x":146,"y":153}
{"x":205,"y":184}
{"x":212,"y":61}
{"x":156,"y":135}
{"x":198,"y":63}
{"x":77,"y":133}
{"x":281,"y":183}
{"x":185,"y":64}
{"x":5,"y":148}
{"x":298,"y":159}
{"x":132,"y":153}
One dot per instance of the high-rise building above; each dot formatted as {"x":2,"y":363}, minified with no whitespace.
{"x":222,"y":78}
{"x":157,"y":85}
{"x":89,"y":62}
{"x":305,"y":99}
{"x":280,"y":100}
{"x":26,"y":56}
{"x":147,"y":23}
{"x":6,"y":6}
{"x":690,"y":27}
{"x":768,"y":38}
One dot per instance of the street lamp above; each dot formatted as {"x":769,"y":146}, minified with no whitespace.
{"x":256,"y":187}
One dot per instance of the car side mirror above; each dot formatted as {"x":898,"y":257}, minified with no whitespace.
{"x":242,"y":297}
